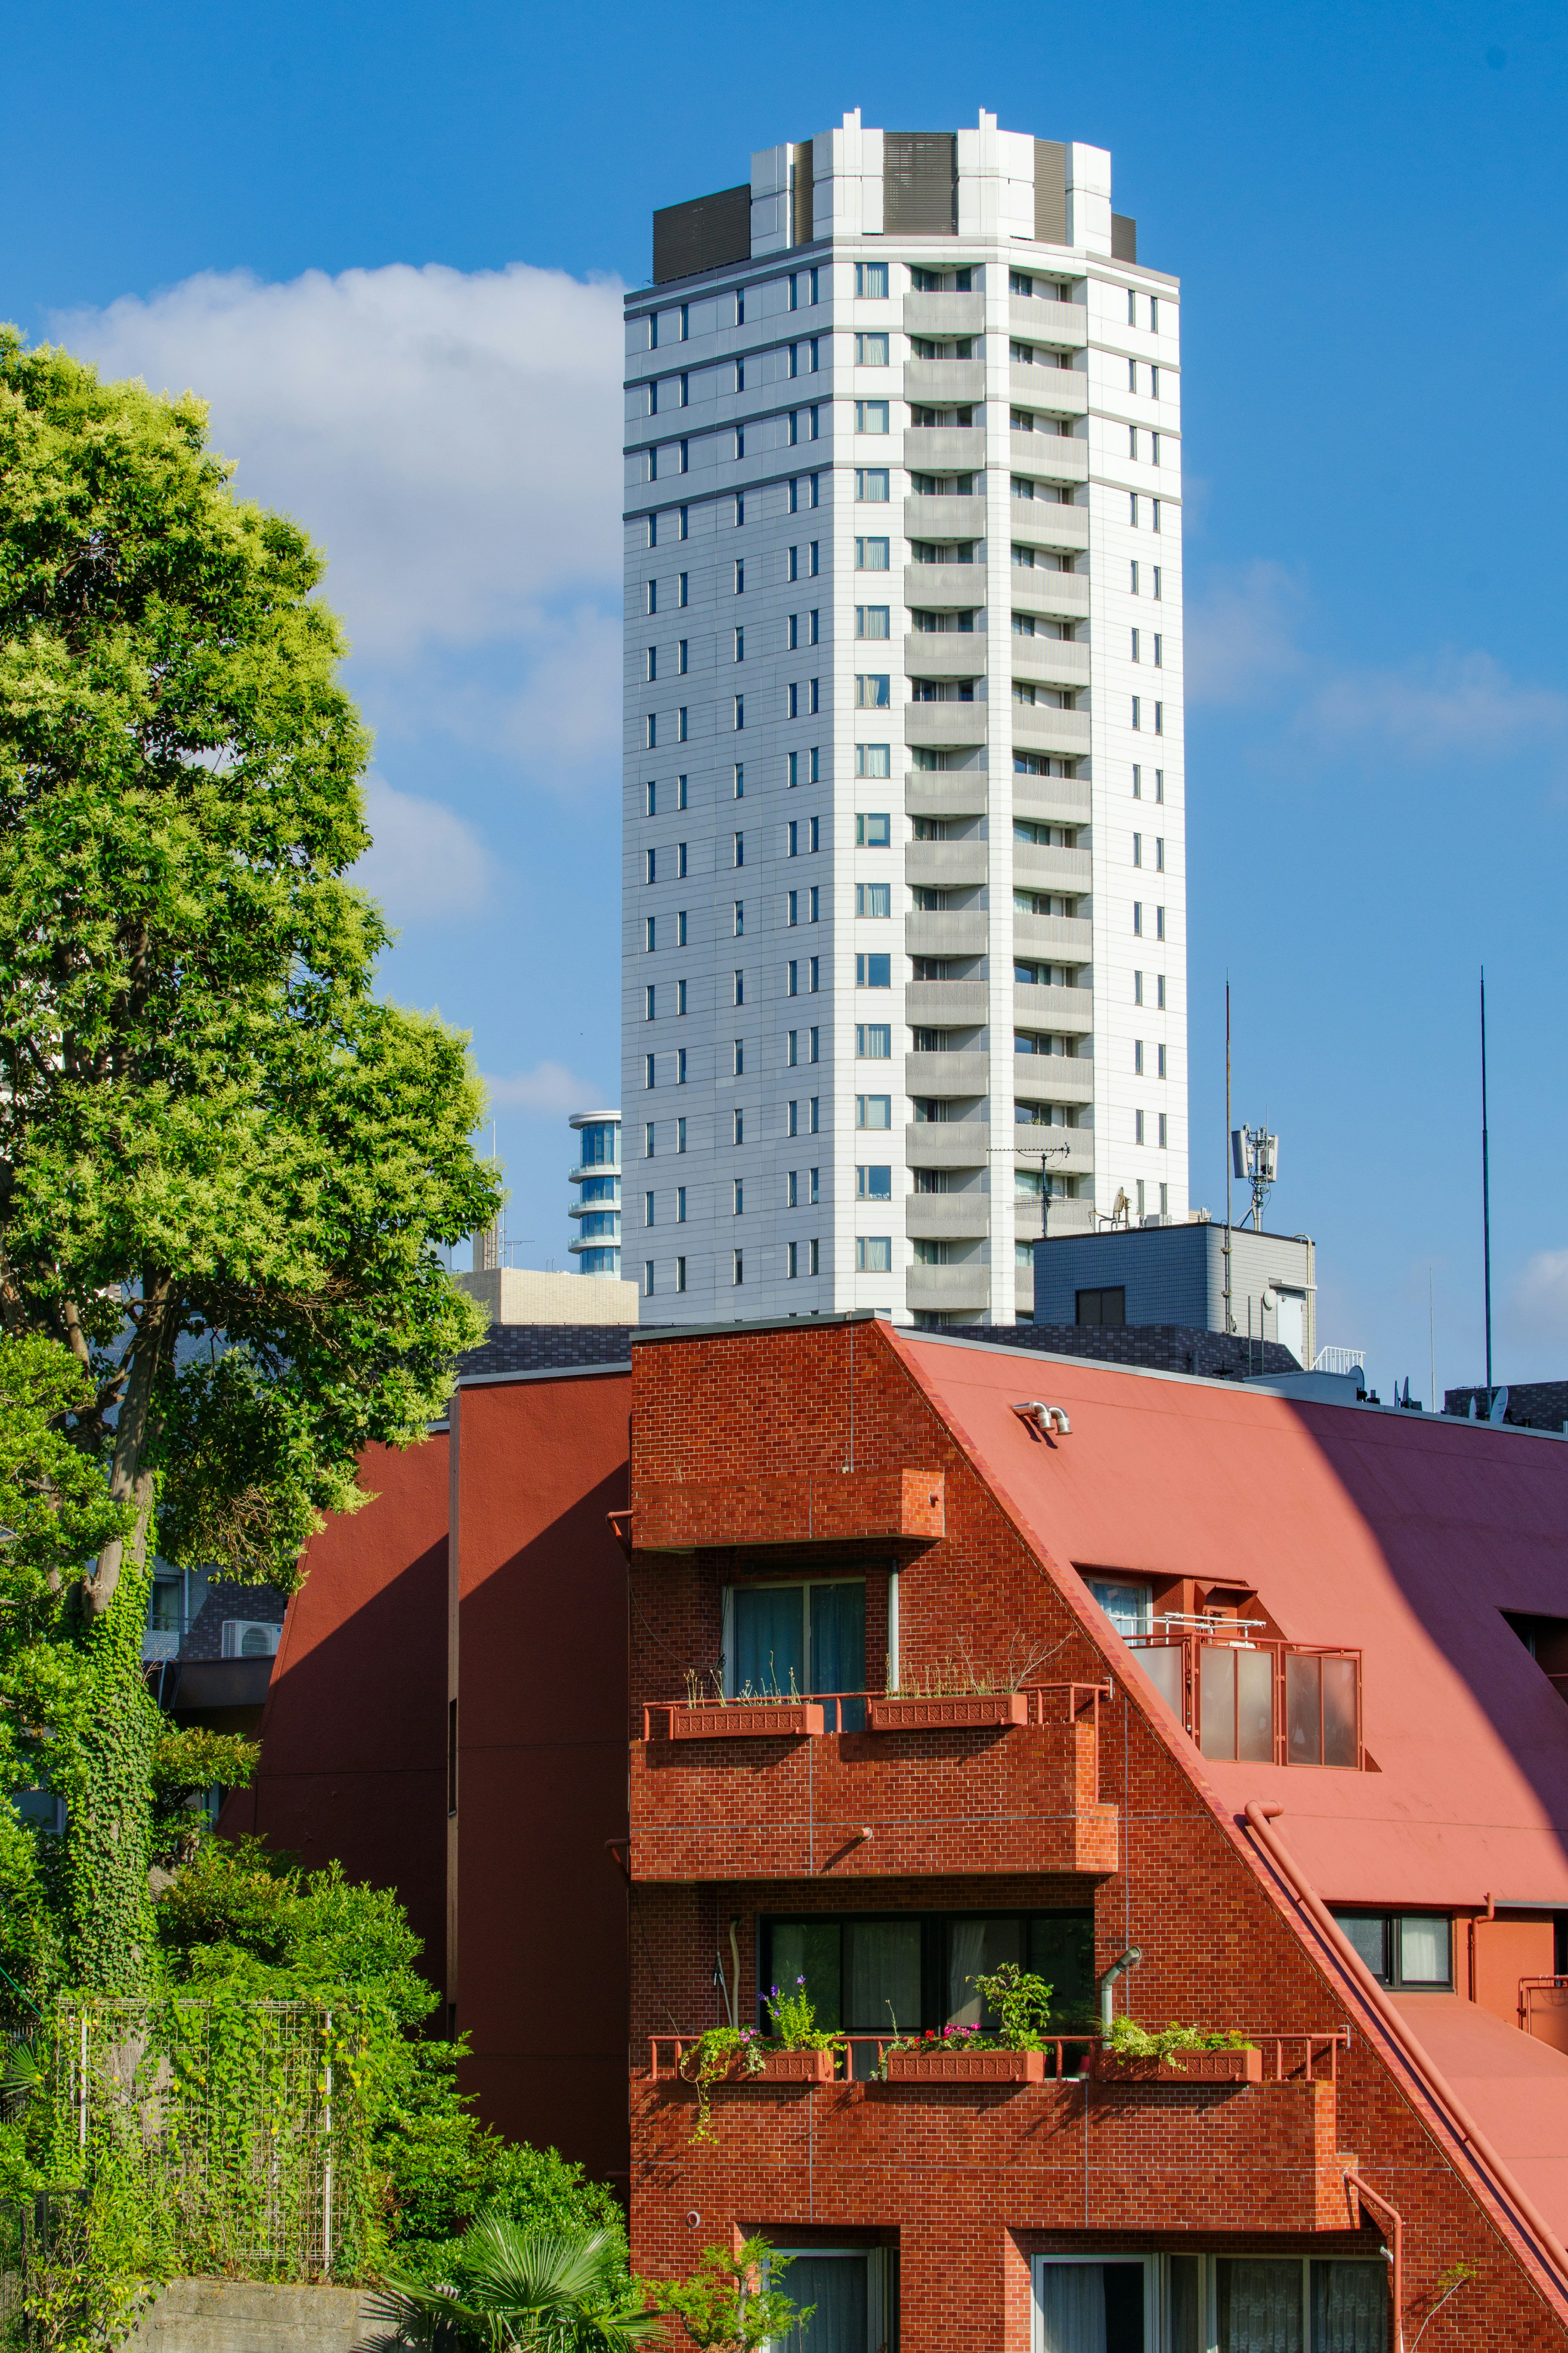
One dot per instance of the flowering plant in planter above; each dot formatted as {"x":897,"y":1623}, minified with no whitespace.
{"x":793,"y":2017}
{"x":1128,"y":2039}
{"x":723,"y":2050}
{"x":1021,"y":2002}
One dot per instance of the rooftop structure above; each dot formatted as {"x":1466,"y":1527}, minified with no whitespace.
{"x":1260,"y":1286}
{"x":904,"y":793}
{"x":596,"y":1173}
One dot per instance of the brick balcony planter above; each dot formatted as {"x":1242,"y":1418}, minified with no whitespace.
{"x":740,"y":1720}
{"x":1186,"y":2067}
{"x":966,"y":1712}
{"x":966,"y":2067}
{"x":790,"y":2067}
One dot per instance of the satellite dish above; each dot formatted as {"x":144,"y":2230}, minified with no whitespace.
{"x":1499,"y":1408}
{"x":1271,"y":1296}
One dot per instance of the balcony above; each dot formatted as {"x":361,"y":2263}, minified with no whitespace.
{"x":943,"y":315}
{"x":1043,"y":727}
{"x":1059,"y":392}
{"x":944,"y":449}
{"x":1050,"y":457}
{"x":941,"y":1217}
{"x":946,"y":1143}
{"x":1045,"y":523}
{"x":946,"y":1074}
{"x":949,"y":588}
{"x":944,"y":1004}
{"x":1048,"y":661}
{"x":1032,"y":320}
{"x":946,"y":725}
{"x":1060,"y":800}
{"x":1078,"y":1160}
{"x":1038,"y":589}
{"x":1042,"y":866}
{"x":803,"y":1507}
{"x":949,"y":1290}
{"x":960,"y":794}
{"x":1068,"y":1010}
{"x":952,"y":862}
{"x":944,"y":518}
{"x":944,"y":383}
{"x":1053,"y":1078}
{"x":1263,"y":1703}
{"x":945,"y":653}
{"x":1059,"y":937}
{"x":947,"y":931}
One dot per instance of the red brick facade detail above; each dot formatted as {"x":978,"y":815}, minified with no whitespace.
{"x":816,"y":1507}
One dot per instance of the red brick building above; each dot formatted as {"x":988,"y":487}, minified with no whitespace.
{"x":922,"y":1678}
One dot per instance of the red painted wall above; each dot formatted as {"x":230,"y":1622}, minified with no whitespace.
{"x":353,"y":1732}
{"x":539,"y":1672}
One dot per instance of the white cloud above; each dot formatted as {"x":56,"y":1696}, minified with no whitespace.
{"x":1240,"y":642}
{"x":452,"y":440}
{"x":1457,"y":705}
{"x":425,"y":864}
{"x":548,"y":1090}
{"x":1537,"y":1299}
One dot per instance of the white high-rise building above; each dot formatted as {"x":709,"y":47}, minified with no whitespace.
{"x":905,"y":897}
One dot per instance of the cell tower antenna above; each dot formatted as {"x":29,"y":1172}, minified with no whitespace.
{"x":1486,"y":1194}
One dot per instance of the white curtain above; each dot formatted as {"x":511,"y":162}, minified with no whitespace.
{"x":1350,"y":2307}
{"x":966,"y":1959}
{"x":1072,"y":2308}
{"x":1259,"y":2306}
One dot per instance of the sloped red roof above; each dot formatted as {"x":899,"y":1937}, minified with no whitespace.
{"x":1400,"y":1535}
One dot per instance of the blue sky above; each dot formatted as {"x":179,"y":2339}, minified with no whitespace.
{"x":1366,"y":208}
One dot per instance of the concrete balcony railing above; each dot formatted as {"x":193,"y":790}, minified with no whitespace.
{"x":1041,"y":727}
{"x":1056,"y":391}
{"x":1032,"y":320}
{"x":1078,"y":1160}
{"x":948,"y":725}
{"x":1049,"y":868}
{"x":955,"y":795}
{"x":1020,"y":1793}
{"x":1066,"y":936}
{"x":1045,"y":523}
{"x":1050,"y":661}
{"x":946,"y":1074}
{"x":947,"y":653}
{"x":1033,"y":589}
{"x":1053,"y":1078}
{"x":951,"y":587}
{"x":945,"y":448}
{"x":948,"y":1287}
{"x":934,"y":1216}
{"x":947,"y":1144}
{"x":946,"y":861}
{"x":947,"y":931}
{"x":949,"y":518}
{"x":1058,"y":801}
{"x":941,"y":315}
{"x":943,"y":384}
{"x":1068,"y":1010}
{"x":1050,"y":457}
{"x":946,"y":1004}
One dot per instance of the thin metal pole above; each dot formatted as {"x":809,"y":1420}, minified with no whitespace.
{"x":1229,"y":1318}
{"x":1486,"y":1196}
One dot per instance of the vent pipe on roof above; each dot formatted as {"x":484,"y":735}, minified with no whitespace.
{"x":1046,"y":1418}
{"x":1127,"y":1961}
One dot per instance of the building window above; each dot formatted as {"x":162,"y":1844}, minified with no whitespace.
{"x":740,"y":917}
{"x":872,"y":281}
{"x":651,"y":727}
{"x":873,"y":972}
{"x":874,"y":830}
{"x":792,"y":1259}
{"x":1161,"y":1117}
{"x":1137,"y":989}
{"x":871,"y":416}
{"x":1105,"y":1307}
{"x":680,"y":1205}
{"x":1138,"y":918}
{"x":740,"y":1196}
{"x":680,"y":1062}
{"x":874,"y":1041}
{"x":873,"y":692}
{"x":680,"y":1274}
{"x":872,"y":485}
{"x":648,"y":1003}
{"x":1137,"y":711}
{"x":873,"y":1110}
{"x":650,"y":934}
{"x":873,"y":760}
{"x":1160,"y":991}
{"x":1138,"y":1057}
{"x":647,"y":1141}
{"x":680,"y":1135}
{"x":647,"y":1070}
{"x":1159,"y":784}
{"x":1135,"y":653}
{"x":1137,"y":1127}
{"x":1137,"y":849}
{"x":647,"y":1201}
{"x":681,"y":861}
{"x":1159,"y":654}
{"x":794,"y":988}
{"x":740,"y":1057}
{"x":871,"y":351}
{"x":739,"y":1126}
{"x":647,"y":1277}
{"x":792,"y":907}
{"x":874,"y":899}
{"x":1159,"y":922}
{"x":680,"y":928}
{"x":681,"y":724}
{"x":873,"y":1254}
{"x":1403,"y":1948}
{"x":873,"y":554}
{"x":872,"y":620}
{"x":1159,"y":1061}
{"x":874,"y":1183}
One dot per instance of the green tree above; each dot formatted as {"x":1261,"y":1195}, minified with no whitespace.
{"x":226,"y":1165}
{"x":731,"y":2303}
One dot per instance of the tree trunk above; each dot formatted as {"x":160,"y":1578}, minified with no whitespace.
{"x":132,"y":1429}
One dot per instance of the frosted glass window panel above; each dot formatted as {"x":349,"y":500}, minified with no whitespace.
{"x":1255,"y":1706}
{"x":1162,"y":1662}
{"x":768,"y":1637}
{"x":1259,"y":2306}
{"x":809,"y":1949}
{"x":1340,"y":1745}
{"x":1129,"y":1607}
{"x":1303,"y":1710}
{"x":1216,"y":1686}
{"x":1424,"y":1954}
{"x":1350,"y":2307}
{"x":1370,"y":1937}
{"x":835,"y":2288}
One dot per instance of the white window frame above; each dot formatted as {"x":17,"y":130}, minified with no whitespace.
{"x":755,"y":1585}
{"x":1153,"y":2285}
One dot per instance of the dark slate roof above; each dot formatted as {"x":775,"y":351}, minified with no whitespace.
{"x":1531,"y":1405}
{"x":1157,"y":1347}
{"x":544,"y":1347}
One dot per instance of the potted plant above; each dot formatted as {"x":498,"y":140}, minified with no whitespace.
{"x":956,"y":1694}
{"x":963,"y":2055}
{"x":798,"y":2050}
{"x":1176,"y":2054}
{"x":748,"y":1714}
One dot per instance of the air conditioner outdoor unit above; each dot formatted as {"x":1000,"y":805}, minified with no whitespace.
{"x":249,"y":1638}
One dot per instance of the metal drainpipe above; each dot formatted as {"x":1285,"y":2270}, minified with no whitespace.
{"x":1128,"y":1960}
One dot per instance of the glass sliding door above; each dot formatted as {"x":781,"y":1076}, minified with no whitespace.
{"x":882,"y":1989}
{"x":1210,"y":2304}
{"x":1095,"y":2306}
{"x":847,"y":2297}
{"x":782,"y":1641}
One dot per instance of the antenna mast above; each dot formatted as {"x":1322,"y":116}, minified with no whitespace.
{"x":1229,"y":1318}
{"x":1486,"y":1195}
